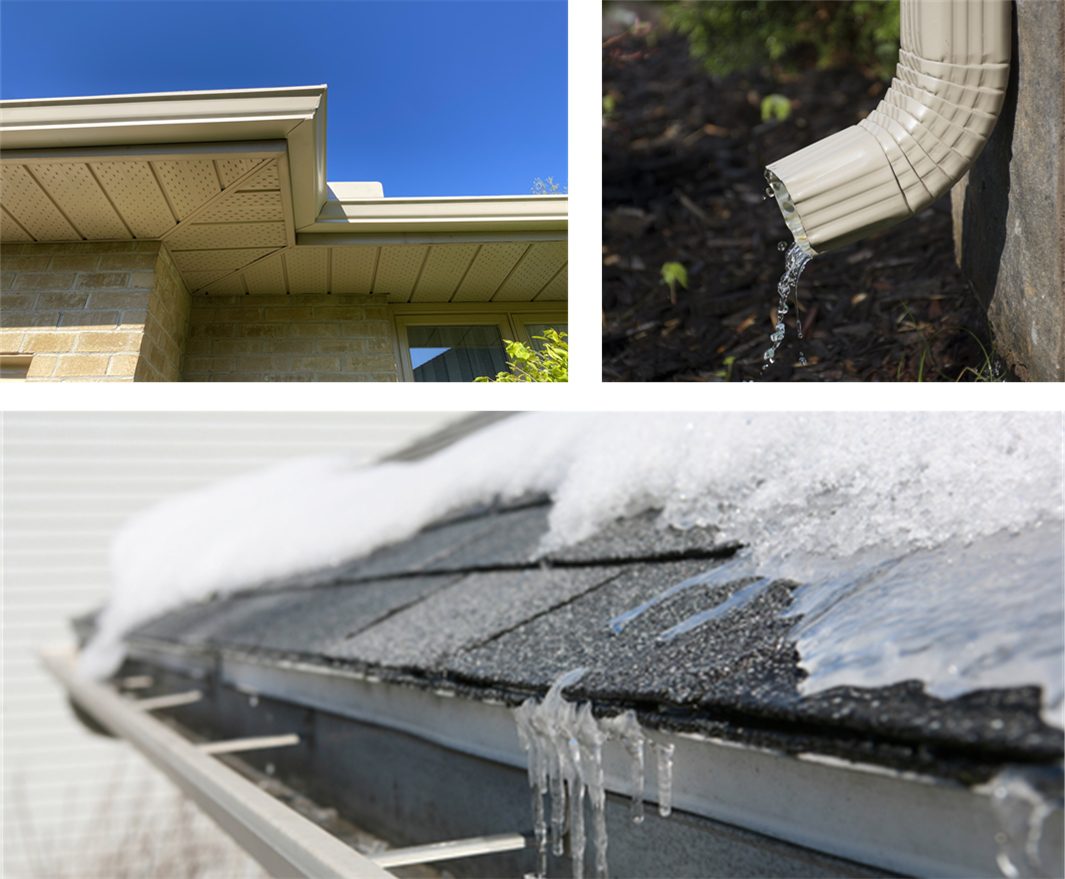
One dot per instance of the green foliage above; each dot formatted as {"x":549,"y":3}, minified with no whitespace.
{"x":546,"y":362}
{"x":726,"y":373}
{"x":610,"y":103}
{"x":674,"y":273}
{"x":547,"y":186}
{"x":741,"y":35}
{"x":775,"y":107}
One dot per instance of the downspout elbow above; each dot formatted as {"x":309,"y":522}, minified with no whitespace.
{"x":921,"y":139}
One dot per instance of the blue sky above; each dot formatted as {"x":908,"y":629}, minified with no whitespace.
{"x":431,"y":98}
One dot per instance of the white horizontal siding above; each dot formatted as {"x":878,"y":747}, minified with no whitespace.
{"x":69,"y":481}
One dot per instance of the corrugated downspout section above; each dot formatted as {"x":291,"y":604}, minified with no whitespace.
{"x":929,"y":128}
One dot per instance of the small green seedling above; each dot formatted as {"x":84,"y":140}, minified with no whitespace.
{"x":674,"y":273}
{"x":775,"y":107}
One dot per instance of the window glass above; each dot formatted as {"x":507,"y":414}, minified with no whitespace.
{"x":455,"y":353}
{"x":535,"y":330}
{"x":14,"y":367}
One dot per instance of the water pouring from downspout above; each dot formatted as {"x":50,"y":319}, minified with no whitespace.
{"x":930,"y":127}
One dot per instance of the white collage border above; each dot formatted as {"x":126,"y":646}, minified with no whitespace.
{"x":585,"y":391}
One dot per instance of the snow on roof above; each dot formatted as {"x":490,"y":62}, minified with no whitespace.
{"x":928,"y":546}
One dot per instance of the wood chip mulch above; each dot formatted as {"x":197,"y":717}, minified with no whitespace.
{"x":683,"y":159}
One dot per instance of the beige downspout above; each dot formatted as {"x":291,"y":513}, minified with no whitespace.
{"x":931,"y":125}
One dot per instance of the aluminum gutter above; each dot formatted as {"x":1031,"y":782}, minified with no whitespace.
{"x":937,"y":828}
{"x":284,"y":842}
{"x":921,"y":139}
{"x":498,"y":214}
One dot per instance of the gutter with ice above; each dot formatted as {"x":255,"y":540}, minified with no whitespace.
{"x":927,"y":131}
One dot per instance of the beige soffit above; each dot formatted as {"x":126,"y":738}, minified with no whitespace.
{"x":929,"y":128}
{"x":233,"y":182}
{"x":296,"y":115}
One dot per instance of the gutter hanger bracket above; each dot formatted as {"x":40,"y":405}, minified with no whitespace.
{"x":171,"y":700}
{"x":447,"y":851}
{"x":252,"y":743}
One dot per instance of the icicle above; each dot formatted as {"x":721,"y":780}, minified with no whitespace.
{"x":738,"y":599}
{"x":664,"y":755}
{"x":1022,"y":812}
{"x":591,"y":739}
{"x":564,"y":743}
{"x":626,"y":728}
{"x":537,"y":780}
{"x":733,"y":569}
{"x":558,"y":809}
{"x":576,"y":825}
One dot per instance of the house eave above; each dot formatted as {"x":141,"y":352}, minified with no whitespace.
{"x":297,"y":115}
{"x":64,"y":136}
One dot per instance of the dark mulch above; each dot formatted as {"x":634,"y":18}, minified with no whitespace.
{"x":683,"y":159}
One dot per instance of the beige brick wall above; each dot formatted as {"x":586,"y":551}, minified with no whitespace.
{"x":309,"y":337}
{"x":80,"y":308}
{"x":167,"y":326}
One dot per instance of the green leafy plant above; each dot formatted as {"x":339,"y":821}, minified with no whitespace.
{"x":775,"y":107}
{"x":545,"y":362}
{"x":674,"y":273}
{"x":735,"y":36}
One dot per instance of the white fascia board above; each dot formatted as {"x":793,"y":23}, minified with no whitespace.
{"x":370,"y":216}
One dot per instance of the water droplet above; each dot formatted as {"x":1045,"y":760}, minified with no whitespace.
{"x":794,"y":262}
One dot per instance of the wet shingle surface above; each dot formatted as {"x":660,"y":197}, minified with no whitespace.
{"x":643,"y":537}
{"x":494,"y":621}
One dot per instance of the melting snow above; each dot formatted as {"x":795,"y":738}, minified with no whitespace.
{"x":815,"y":496}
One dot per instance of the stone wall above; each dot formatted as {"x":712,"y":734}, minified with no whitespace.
{"x":1009,"y":212}
{"x":167,"y":324}
{"x":78,"y":308}
{"x":309,"y":337}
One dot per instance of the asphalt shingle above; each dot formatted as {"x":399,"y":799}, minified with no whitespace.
{"x":477,"y":608}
